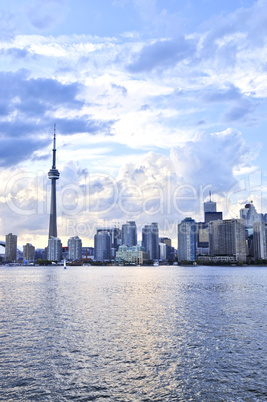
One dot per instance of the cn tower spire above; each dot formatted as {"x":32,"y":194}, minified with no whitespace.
{"x":53,"y":175}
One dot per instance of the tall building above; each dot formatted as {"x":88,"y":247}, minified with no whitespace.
{"x":249,"y":214}
{"x":53,"y":175}
{"x":260,"y":240}
{"x":187,"y":240}
{"x":129,"y":234}
{"x":210,"y":211}
{"x":115,"y":238}
{"x":165,"y":248}
{"x":102,"y":246}
{"x":28,"y":253}
{"x":75,"y":248}
{"x":150,"y":240}
{"x":54,"y":252}
{"x":228,"y":238}
{"x":11,"y":247}
{"x":210,"y":206}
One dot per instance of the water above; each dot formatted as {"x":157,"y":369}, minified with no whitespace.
{"x":133,"y":334}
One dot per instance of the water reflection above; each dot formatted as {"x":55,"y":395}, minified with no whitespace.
{"x":133,"y":333}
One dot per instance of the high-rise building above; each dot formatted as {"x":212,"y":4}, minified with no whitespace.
{"x":249,"y":214}
{"x":187,"y":240}
{"x":39,"y":254}
{"x":260,"y":240}
{"x":11,"y":247}
{"x":28,"y":253}
{"x":150,"y":240}
{"x":210,"y":211}
{"x":115,"y":238}
{"x":53,"y":175}
{"x":54,"y":251}
{"x":165,"y":248}
{"x":102,"y":246}
{"x":209,"y":206}
{"x":75,"y":248}
{"x":228,"y":238}
{"x":129,"y":234}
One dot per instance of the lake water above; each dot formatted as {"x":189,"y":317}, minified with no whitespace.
{"x":133,"y":334}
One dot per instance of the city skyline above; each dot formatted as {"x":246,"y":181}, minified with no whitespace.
{"x":154,"y":101}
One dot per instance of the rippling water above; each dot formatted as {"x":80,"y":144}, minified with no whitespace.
{"x":133,"y":334}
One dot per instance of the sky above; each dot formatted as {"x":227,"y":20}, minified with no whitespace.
{"x":156,"y":103}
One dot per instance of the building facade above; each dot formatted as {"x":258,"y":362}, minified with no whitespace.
{"x":28,"y":253}
{"x":75,"y":248}
{"x":187,"y":240}
{"x":102,"y":246}
{"x":150,"y":240}
{"x":131,"y":255}
{"x":11,"y":247}
{"x":260,"y":240}
{"x":54,"y":250}
{"x":129,"y":234}
{"x":228,"y":238}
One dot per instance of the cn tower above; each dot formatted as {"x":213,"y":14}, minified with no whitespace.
{"x":53,"y":175}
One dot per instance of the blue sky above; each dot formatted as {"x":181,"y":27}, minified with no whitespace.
{"x":155,"y":102}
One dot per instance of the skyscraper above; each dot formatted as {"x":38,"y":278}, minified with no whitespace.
{"x":102,"y":245}
{"x":209,"y":206}
{"x":115,"y":237}
{"x":28,"y":253}
{"x":53,"y":175}
{"x":210,"y":211}
{"x":150,"y":240}
{"x":187,"y":240}
{"x":260,"y":240}
{"x":11,"y":247}
{"x":129,"y":234}
{"x":228,"y":238}
{"x":249,"y":214}
{"x":54,"y":249}
{"x":75,"y":248}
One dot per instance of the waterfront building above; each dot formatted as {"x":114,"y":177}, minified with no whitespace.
{"x":249,"y":215}
{"x":28,"y":253}
{"x":210,"y":211}
{"x":75,"y":248}
{"x":102,"y":245}
{"x":228,"y":238}
{"x":11,"y":248}
{"x":54,"y":250}
{"x":129,"y":234}
{"x":131,"y":255}
{"x":210,"y":206}
{"x":260,"y":240}
{"x":162,"y":251}
{"x":187,"y":240}
{"x":115,"y":239}
{"x":165,"y":249}
{"x":53,"y":175}
{"x":150,"y":240}
{"x":39,"y":254}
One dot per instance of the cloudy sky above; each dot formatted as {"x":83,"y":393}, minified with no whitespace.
{"x":156,"y":103}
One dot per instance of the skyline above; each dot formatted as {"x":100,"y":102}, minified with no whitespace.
{"x":153,"y":102}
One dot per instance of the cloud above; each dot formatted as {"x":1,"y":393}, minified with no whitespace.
{"x":7,"y":26}
{"x":45,"y":14}
{"x":162,"y":53}
{"x":15,"y":150}
{"x":210,"y":159}
{"x":34,"y":103}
